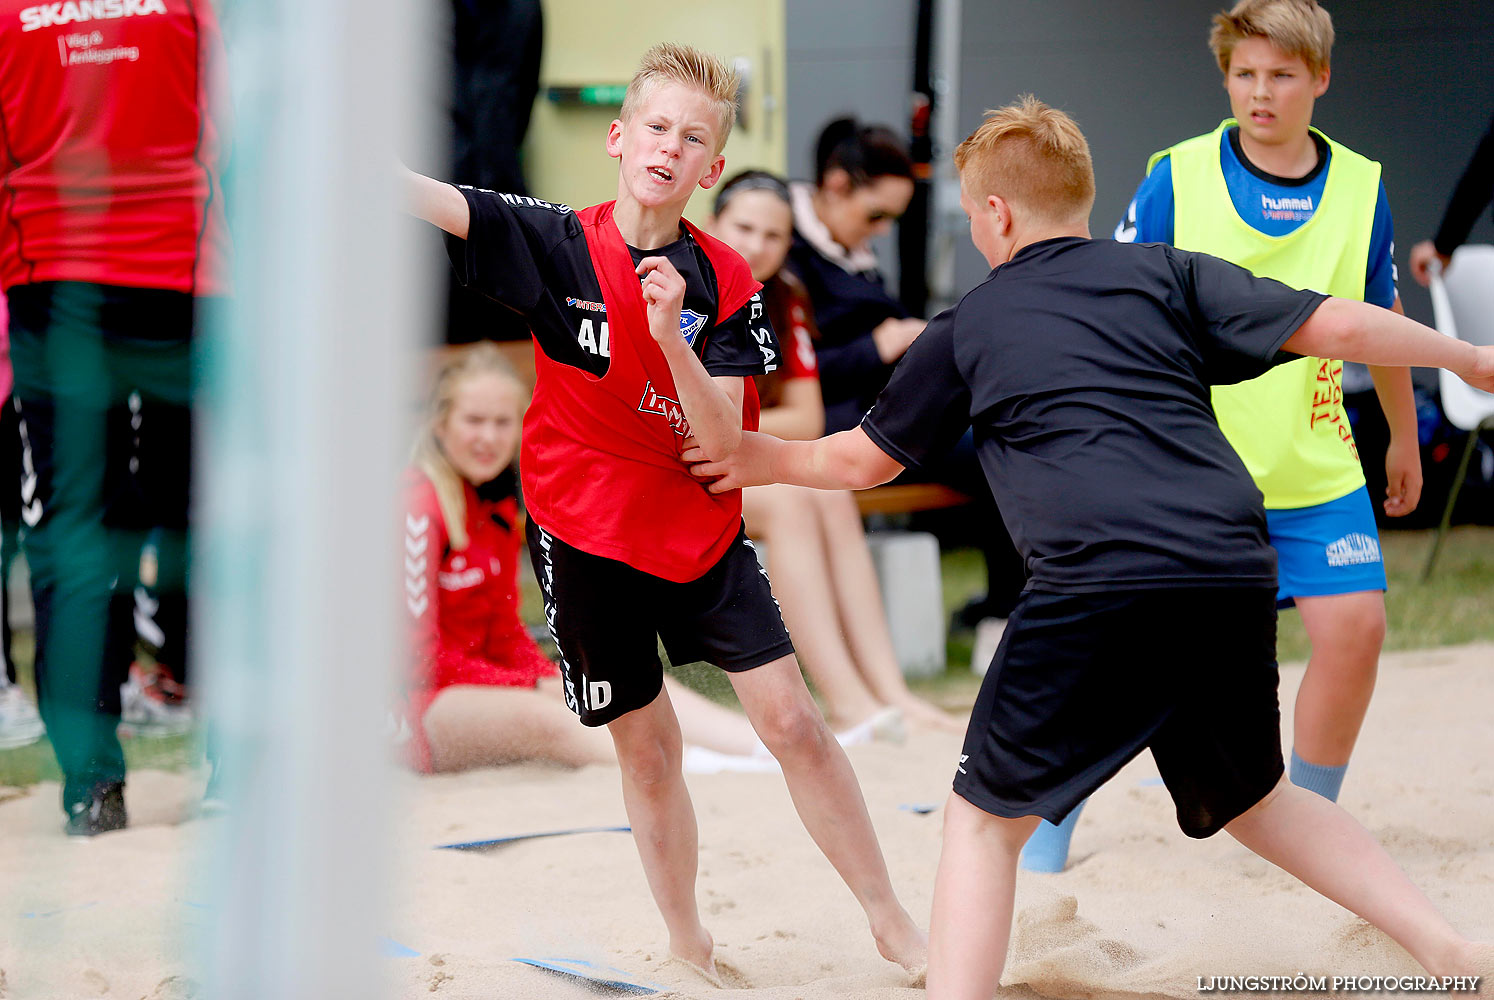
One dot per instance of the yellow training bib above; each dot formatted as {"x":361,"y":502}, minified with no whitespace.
{"x":1288,"y":425}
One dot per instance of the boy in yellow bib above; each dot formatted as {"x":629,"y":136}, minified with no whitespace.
{"x":1274,"y":195}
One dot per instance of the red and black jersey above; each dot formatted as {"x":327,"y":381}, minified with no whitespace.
{"x":602,"y":438}
{"x":463,"y":607}
{"x":111,"y":151}
{"x":787,"y":302}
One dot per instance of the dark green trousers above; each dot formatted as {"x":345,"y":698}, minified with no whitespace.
{"x":104,"y":380}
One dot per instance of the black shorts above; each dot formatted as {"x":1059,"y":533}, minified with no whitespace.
{"x":1081,"y":683}
{"x":607,"y":618}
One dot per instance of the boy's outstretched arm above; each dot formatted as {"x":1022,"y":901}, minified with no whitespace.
{"x":1355,"y":331}
{"x":845,"y":461}
{"x":436,"y":202}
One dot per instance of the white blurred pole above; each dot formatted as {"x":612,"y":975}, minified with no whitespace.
{"x":303,"y":434}
{"x":949,"y":226}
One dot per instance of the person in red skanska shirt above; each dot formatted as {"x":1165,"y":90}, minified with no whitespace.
{"x":112,"y":233}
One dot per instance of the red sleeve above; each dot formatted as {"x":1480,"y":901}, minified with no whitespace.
{"x":509,"y":641}
{"x":425,"y":544}
{"x":798,"y":347}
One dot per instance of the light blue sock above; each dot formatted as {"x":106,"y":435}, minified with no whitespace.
{"x":1047,"y":850}
{"x":1320,"y":778}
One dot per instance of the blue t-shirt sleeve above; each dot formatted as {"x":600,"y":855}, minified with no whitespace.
{"x":1149,"y":216}
{"x":1380,"y":277}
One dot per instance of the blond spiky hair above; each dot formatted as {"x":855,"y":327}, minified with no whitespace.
{"x":670,"y":62}
{"x":1034,"y":157}
{"x":1296,"y":27}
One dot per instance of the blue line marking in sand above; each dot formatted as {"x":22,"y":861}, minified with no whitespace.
{"x":921,"y":808}
{"x":608,"y":978}
{"x":390,"y":948}
{"x":37,"y":915}
{"x":483,"y":845}
{"x":1149,"y":782}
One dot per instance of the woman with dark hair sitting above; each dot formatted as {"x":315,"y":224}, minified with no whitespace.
{"x":863,"y":182}
{"x":821,"y":568}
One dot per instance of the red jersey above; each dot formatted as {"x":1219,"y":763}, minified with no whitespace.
{"x":463,"y":607}
{"x":787,"y":303}
{"x":796,"y":330}
{"x":603,"y":436}
{"x":111,"y":152}
{"x":601,"y":456}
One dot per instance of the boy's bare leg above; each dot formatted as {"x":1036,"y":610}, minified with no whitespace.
{"x":1346,"y":631}
{"x":797,"y":562}
{"x":863,"y":618}
{"x":1317,"y":841}
{"x":703,"y":723}
{"x":828,"y":799}
{"x":973,"y":898}
{"x":663,"y":820}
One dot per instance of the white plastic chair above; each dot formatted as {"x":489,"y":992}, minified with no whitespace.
{"x":1463,"y":302}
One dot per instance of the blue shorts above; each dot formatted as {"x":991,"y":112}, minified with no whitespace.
{"x":1332,"y":548}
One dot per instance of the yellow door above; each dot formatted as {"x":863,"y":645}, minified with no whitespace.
{"x":597,"y":44}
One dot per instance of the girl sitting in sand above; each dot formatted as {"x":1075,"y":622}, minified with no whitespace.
{"x":480,"y":691}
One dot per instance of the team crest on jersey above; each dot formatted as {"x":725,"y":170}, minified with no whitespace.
{"x":691,"y":323}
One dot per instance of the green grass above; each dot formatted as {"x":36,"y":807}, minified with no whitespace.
{"x":27,"y":765}
{"x":176,"y":752}
{"x":1456,"y":606}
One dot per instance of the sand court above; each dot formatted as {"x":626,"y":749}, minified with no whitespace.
{"x":1141,"y":911}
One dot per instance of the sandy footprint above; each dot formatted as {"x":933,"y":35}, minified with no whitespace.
{"x":732,"y":978}
{"x":723,"y":975}
{"x":175,"y":988}
{"x":1371,"y":947}
{"x":94,"y":983}
{"x":1059,"y":954}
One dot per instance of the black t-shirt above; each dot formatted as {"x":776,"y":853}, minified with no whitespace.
{"x":1084,"y":367}
{"x":532,"y":256}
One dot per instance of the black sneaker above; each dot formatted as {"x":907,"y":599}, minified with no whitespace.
{"x":102,"y":811}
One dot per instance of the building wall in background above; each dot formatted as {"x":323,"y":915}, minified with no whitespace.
{"x":847,"y":59}
{"x":600,"y":42}
{"x":1410,"y":88}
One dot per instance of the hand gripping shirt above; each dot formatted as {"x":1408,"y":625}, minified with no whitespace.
{"x":600,"y":461}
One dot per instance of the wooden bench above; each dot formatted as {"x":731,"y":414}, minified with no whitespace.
{"x":899,"y":498}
